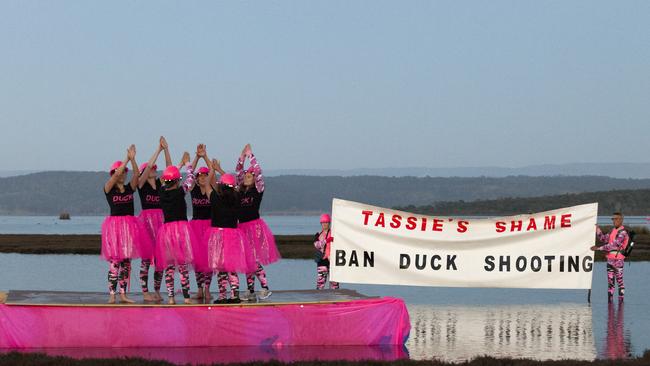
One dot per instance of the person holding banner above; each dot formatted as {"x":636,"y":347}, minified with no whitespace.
{"x":616,"y":240}
{"x":322,"y":242}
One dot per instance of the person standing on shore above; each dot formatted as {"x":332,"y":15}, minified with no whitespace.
{"x":259,"y":238}
{"x":617,"y":240}
{"x":225,"y":242}
{"x":175,"y":238}
{"x":123,"y":238}
{"x":322,"y":243}
{"x":151,"y":217}
{"x":201,"y":221}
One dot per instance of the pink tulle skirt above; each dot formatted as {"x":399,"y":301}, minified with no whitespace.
{"x":227,"y":251}
{"x":123,"y":238}
{"x":200,"y":249}
{"x":151,"y":220}
{"x":260,"y":238}
{"x":174,"y":247}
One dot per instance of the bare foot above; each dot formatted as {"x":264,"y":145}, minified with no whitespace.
{"x":171,"y":301}
{"x":199,"y":295}
{"x":148,"y":297}
{"x":126,"y":300}
{"x":207,"y":297}
{"x":157,"y":296}
{"x":188,"y":301}
{"x":111,"y":299}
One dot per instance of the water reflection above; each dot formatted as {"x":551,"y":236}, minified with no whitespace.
{"x":617,"y":344}
{"x":458,"y":333}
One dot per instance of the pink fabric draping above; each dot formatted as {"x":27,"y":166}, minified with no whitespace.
{"x":383,"y":321}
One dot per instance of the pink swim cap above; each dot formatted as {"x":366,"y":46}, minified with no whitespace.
{"x":203,"y":170}
{"x":116,"y":165}
{"x":325,"y":218}
{"x":227,"y":179}
{"x":143,"y":166}
{"x":171,"y":173}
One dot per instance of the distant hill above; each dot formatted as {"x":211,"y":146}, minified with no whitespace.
{"x":80,"y":193}
{"x":629,"y":202}
{"x":616,"y":170}
{"x":13,"y":173}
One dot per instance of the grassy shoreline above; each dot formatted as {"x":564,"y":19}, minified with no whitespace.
{"x":17,"y":358}
{"x":290,"y":246}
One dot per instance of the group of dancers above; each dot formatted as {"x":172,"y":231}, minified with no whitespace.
{"x":225,"y":236}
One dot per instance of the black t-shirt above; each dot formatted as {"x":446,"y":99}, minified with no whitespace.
{"x":172,"y":202}
{"x":149,"y":196}
{"x":249,"y":204}
{"x":200,"y":204}
{"x":223,"y":215}
{"x":121,"y":203}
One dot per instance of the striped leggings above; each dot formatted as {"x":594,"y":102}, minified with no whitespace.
{"x":323,"y":274}
{"x":118,"y":275}
{"x":615,"y":272}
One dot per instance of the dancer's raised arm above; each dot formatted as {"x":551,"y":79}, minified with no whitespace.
{"x":188,"y":183}
{"x":212,"y":178}
{"x":165,"y":147}
{"x":145,"y":174}
{"x":254,"y":168}
{"x":115,"y":173}
{"x":136,"y":171}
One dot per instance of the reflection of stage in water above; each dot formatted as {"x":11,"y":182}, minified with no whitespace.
{"x":457,"y":333}
{"x":292,"y":326}
{"x":225,"y":355}
{"x":617,"y":342}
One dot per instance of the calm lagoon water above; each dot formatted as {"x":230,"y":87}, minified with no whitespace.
{"x":283,"y":225}
{"x":447,"y":323}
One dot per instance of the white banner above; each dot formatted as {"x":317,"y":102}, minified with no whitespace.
{"x":376,"y":245}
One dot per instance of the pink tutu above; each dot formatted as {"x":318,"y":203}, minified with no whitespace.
{"x":174,"y":247}
{"x":261,"y":240}
{"x":227,"y":251}
{"x":199,"y":248}
{"x":151,"y":220}
{"x":122,"y":238}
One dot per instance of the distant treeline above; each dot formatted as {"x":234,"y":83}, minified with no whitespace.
{"x":630,"y":202}
{"x":80,"y":193}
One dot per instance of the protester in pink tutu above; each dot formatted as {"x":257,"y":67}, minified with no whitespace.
{"x":123,"y":238}
{"x":201,"y":221}
{"x":259,"y":238}
{"x":175,"y":238}
{"x":225,"y":242}
{"x":151,"y":217}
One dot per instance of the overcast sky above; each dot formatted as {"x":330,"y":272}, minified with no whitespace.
{"x":330,"y":84}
